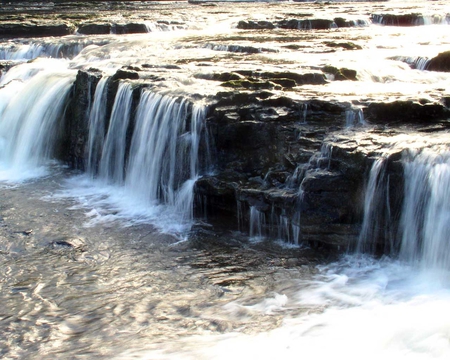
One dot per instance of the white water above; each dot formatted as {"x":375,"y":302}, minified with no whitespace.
{"x":112,"y":161}
{"x":152,"y":181}
{"x":425,"y":222}
{"x":31,"y":111}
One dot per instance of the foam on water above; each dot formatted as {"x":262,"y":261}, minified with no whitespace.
{"x":356,"y":308}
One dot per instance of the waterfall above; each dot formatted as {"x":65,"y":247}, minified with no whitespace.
{"x":424,"y":228}
{"x":375,"y":222}
{"x":97,"y":126}
{"x":112,"y":162}
{"x":354,"y":117}
{"x":30,"y":110}
{"x":163,"y":163}
{"x":152,"y":155}
{"x":28,"y":51}
{"x":425,"y":222}
{"x":257,"y":223}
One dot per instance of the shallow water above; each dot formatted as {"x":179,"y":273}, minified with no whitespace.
{"x":73,"y":288}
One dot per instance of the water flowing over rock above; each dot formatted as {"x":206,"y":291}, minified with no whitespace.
{"x":206,"y":180}
{"x":305,"y":184}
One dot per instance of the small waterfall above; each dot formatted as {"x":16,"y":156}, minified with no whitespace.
{"x":31,"y":51}
{"x":354,"y":118}
{"x":257,"y":223}
{"x":374,"y":204}
{"x":112,"y":162}
{"x":425,"y":222}
{"x":163,"y":161}
{"x":417,"y":62}
{"x":304,"y":113}
{"x":30,"y":111}
{"x":97,"y":126}
{"x":424,"y":227}
{"x":163,"y":26}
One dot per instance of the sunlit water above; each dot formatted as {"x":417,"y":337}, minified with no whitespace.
{"x":94,"y":279}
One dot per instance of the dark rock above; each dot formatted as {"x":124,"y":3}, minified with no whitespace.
{"x":286,"y":83}
{"x":249,"y":84}
{"x":439,"y":63}
{"x":255,"y":25}
{"x":220,"y":76}
{"x":94,"y":29}
{"x":306,"y":24}
{"x":313,"y":78}
{"x":122,"y":74}
{"x":72,"y":149}
{"x":405,"y":111}
{"x":345,"y":45}
{"x":340,"y":74}
{"x":24,"y":29}
{"x":413,"y":19}
{"x":130,"y":28}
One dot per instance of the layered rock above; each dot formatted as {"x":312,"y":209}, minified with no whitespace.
{"x":281,"y":168}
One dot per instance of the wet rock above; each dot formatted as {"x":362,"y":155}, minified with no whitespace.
{"x":129,"y":28}
{"x":340,"y":74}
{"x":439,"y":63}
{"x":94,"y":29}
{"x":124,"y":73}
{"x":5,"y":66}
{"x":307,"y":24}
{"x":300,"y":79}
{"x":343,"y":23}
{"x":255,"y":25}
{"x":413,"y":19}
{"x":405,"y":111}
{"x":239,"y":48}
{"x":68,"y":244}
{"x":227,"y":76}
{"x":29,"y":29}
{"x":345,"y":45}
{"x":249,"y":84}
{"x":72,"y":147}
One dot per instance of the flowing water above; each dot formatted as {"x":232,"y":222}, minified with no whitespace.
{"x":102,"y":265}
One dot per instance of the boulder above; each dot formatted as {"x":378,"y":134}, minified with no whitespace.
{"x":440,"y":62}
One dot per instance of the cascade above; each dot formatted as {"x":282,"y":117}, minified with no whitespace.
{"x":354,"y":117}
{"x":30,"y":110}
{"x":375,"y":226}
{"x":163,"y":163}
{"x":112,"y":161}
{"x":97,"y":126}
{"x":152,"y":155}
{"x":425,"y":221}
{"x":257,"y":223}
{"x":29,"y":51}
{"x":424,"y":227}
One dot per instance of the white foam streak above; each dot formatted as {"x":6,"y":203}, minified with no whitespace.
{"x":355,"y":308}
